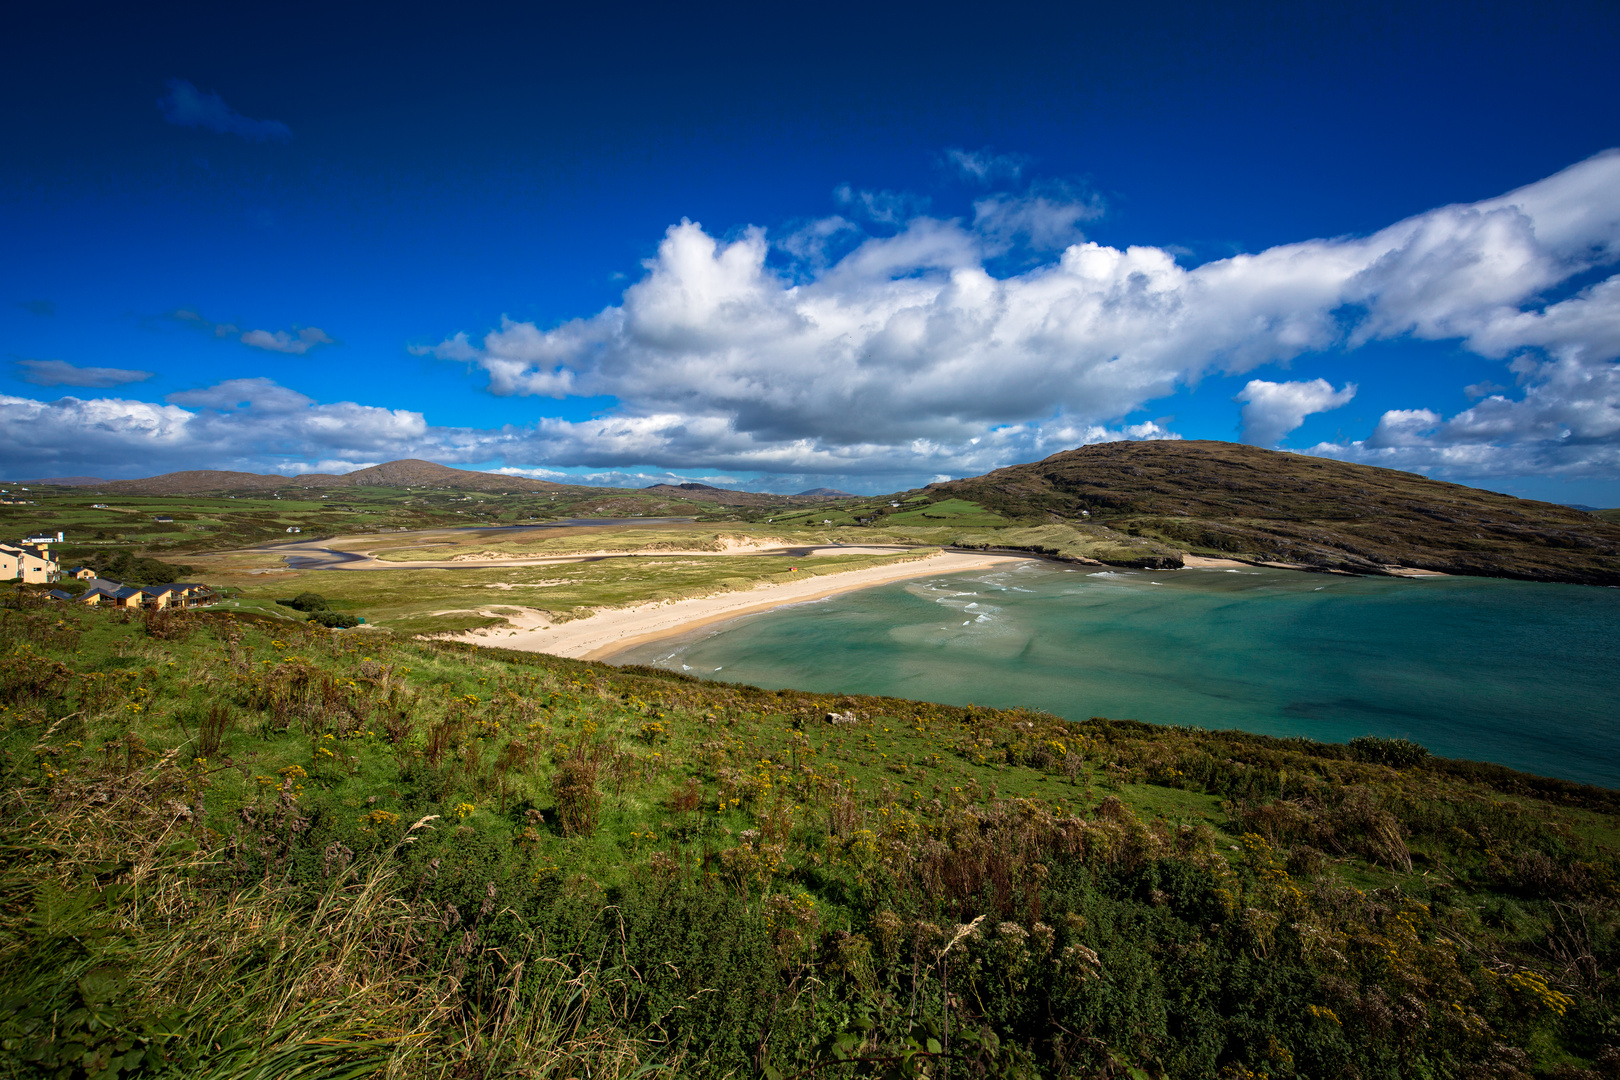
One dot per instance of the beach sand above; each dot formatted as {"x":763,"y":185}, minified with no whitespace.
{"x":598,"y":636}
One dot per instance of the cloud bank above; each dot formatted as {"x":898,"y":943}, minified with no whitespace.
{"x":886,"y":346}
{"x":186,"y":106}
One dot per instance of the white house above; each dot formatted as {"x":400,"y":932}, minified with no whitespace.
{"x":30,"y":564}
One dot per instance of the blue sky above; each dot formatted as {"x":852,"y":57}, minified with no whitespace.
{"x":288,"y":238}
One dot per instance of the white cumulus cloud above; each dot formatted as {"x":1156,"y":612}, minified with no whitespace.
{"x":907,"y":347}
{"x":250,"y":424}
{"x":1271,"y":410}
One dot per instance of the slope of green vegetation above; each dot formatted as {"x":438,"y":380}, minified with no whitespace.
{"x":232,"y":847}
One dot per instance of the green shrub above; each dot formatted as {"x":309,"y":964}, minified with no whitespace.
{"x":1397,"y":753}
{"x":307,"y":601}
{"x":132,"y":569}
{"x":337,"y":620}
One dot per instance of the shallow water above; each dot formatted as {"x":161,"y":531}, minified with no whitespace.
{"x":1522,"y":674}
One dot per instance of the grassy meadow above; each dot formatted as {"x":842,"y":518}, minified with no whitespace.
{"x":238,"y":847}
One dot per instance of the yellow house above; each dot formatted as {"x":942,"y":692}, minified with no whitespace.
{"x":121,"y":597}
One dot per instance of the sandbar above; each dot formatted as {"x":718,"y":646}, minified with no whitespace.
{"x":611,"y":630}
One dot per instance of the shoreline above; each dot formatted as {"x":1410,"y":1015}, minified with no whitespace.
{"x":600,"y":635}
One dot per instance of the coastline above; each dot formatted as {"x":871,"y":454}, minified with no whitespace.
{"x":600,"y":635}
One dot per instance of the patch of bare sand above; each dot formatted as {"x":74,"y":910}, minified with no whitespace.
{"x":1199,"y":562}
{"x":612,"y":630}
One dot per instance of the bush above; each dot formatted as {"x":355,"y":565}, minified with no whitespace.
{"x":337,"y":620}
{"x":1397,"y":753}
{"x":307,"y":601}
{"x":132,"y":569}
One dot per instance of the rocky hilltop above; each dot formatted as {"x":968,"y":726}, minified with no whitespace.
{"x":1217,"y":498}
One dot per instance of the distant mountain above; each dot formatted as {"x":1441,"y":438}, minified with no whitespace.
{"x":723,"y":496}
{"x":825,"y":493}
{"x":64,"y":481}
{"x":408,"y":473}
{"x":413,"y":473}
{"x":1217,"y":498}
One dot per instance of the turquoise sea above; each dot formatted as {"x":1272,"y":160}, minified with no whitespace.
{"x":1526,"y":675}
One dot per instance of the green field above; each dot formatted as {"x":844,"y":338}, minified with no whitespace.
{"x":222,"y":522}
{"x":236,"y":847}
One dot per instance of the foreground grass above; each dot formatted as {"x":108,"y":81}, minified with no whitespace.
{"x":234,"y":848}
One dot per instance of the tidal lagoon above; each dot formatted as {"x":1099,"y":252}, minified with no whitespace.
{"x":1527,"y":675}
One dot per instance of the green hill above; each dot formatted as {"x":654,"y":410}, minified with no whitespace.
{"x":234,"y":848}
{"x":1222,"y":499}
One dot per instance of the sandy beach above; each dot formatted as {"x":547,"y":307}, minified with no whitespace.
{"x":598,"y":636}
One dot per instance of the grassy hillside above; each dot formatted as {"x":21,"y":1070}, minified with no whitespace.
{"x":232,"y":846}
{"x":1222,"y":499}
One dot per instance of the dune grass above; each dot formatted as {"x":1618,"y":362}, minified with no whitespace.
{"x":437,"y":601}
{"x":579,"y":540}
